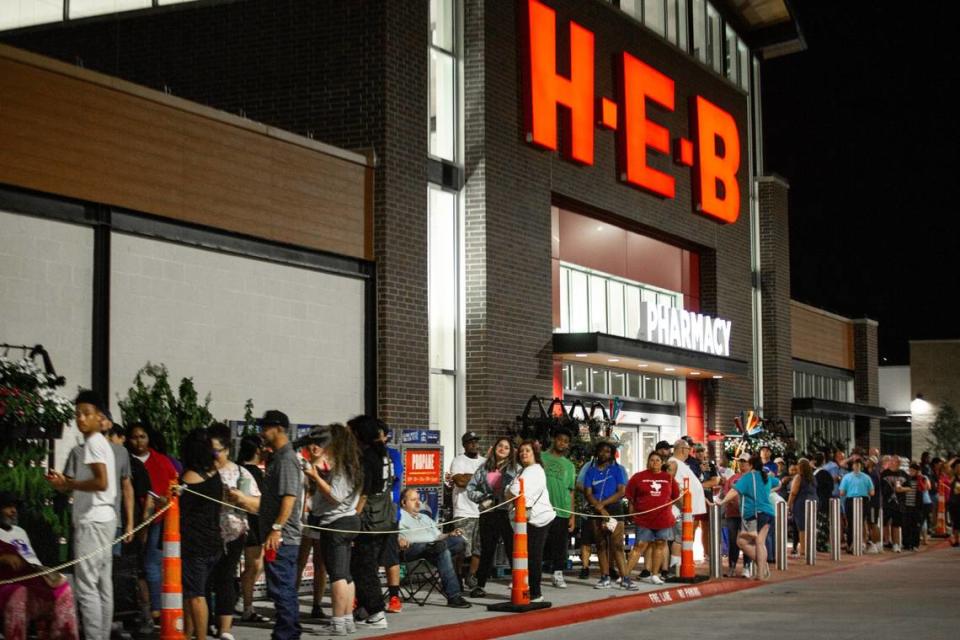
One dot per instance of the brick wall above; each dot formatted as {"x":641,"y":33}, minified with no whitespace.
{"x":935,"y":374}
{"x":866,"y":384}
{"x":329,"y":70}
{"x":775,"y":298}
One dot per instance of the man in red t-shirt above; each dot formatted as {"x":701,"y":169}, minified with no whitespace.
{"x":651,"y":492}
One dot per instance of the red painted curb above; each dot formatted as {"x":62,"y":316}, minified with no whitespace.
{"x":500,"y":626}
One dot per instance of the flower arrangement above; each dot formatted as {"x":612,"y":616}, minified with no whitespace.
{"x":734,"y":445}
{"x":30,"y":405}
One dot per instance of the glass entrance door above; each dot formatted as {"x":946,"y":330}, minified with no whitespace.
{"x":628,"y":454}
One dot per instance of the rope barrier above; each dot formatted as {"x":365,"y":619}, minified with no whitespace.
{"x":623,"y":515}
{"x":82,"y":558}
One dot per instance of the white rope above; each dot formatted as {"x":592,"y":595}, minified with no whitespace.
{"x":623,"y":515}
{"x":92,"y":554}
{"x":311,"y":526}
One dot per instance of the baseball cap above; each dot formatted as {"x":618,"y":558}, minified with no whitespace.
{"x":274,"y":418}
{"x":469,"y":436}
{"x":663,"y":444}
{"x":744,"y":456}
{"x":873,"y":459}
{"x":779,"y":460}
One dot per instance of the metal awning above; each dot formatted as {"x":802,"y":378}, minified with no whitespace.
{"x":628,"y":353}
{"x":835,"y":407}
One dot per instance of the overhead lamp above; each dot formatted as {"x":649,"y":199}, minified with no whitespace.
{"x":643,"y":365}
{"x":694,"y":373}
{"x":718,"y":377}
{"x":613,"y":359}
{"x":669,"y":369}
{"x":581,"y":355}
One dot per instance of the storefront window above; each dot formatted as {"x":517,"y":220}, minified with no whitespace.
{"x":442,"y":279}
{"x":632,"y":8}
{"x":714,"y":40}
{"x":618,"y":383}
{"x":653,"y":15}
{"x":578,"y":301}
{"x":442,"y":26}
{"x":633,"y":385}
{"x":632,"y":303}
{"x":743,"y":55}
{"x":598,"y":381}
{"x":615,"y":324}
{"x":699,"y":10}
{"x":650,"y":385}
{"x":730,"y":54}
{"x":578,"y":378}
{"x":668,"y":390}
{"x":443,"y":392}
{"x":598,"y":304}
{"x":442,"y":98}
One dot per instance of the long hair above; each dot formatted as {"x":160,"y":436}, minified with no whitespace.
{"x":757,"y":465}
{"x":197,"y":452}
{"x":491,"y":463}
{"x":805,"y":469}
{"x":345,"y":454}
{"x":536,"y":451}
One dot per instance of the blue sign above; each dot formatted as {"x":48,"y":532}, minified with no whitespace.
{"x":430,"y":497}
{"x":420,"y":436}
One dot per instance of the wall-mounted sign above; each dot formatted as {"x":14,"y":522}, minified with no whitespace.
{"x":420,"y":436}
{"x":422,"y":466}
{"x":685,"y":329}
{"x":712,"y":148}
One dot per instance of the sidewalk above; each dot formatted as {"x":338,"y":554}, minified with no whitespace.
{"x":577,"y":603}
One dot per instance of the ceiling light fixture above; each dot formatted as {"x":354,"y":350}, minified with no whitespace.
{"x":613,"y":359}
{"x":581,"y":355}
{"x":718,"y":377}
{"x":669,"y":369}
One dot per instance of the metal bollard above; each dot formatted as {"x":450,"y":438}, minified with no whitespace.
{"x":857,"y":543}
{"x":780,"y":536}
{"x":810,"y":531}
{"x":835,"y":527}
{"x":716,"y":562}
{"x":880,"y":524}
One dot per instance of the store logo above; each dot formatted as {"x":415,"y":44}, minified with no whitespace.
{"x":713,"y":154}
{"x":675,"y":327}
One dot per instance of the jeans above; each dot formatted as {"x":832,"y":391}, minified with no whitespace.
{"x":494,"y":526}
{"x":558,"y":540}
{"x":364,"y":563}
{"x":442,"y":560}
{"x":282,"y":590}
{"x":536,"y":539}
{"x":152,"y":562}
{"x":732,"y":525}
{"x":94,"y":578}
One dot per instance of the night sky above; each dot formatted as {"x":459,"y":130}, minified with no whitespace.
{"x":864,"y":126}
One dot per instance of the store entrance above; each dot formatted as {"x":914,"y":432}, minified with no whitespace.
{"x":636,"y":443}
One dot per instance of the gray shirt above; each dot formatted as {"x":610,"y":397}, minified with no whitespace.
{"x":345,"y":495}
{"x":283,"y":478}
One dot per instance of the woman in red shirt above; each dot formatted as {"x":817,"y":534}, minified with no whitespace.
{"x":652,"y":492}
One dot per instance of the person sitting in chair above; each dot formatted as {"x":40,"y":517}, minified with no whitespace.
{"x":420,"y":538}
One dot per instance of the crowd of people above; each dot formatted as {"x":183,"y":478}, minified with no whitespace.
{"x":336,"y":494}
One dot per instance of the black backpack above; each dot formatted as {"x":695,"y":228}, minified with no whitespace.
{"x":380,"y":512}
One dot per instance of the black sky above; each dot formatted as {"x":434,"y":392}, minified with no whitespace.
{"x":864,"y":126}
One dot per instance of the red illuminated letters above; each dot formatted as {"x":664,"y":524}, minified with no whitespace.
{"x":713,"y":153}
{"x":639,"y":82}
{"x":548,"y":89}
{"x":713,"y":170}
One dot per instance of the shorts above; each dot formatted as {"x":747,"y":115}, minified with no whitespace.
{"x":649,"y":535}
{"x":335,"y":547}
{"x":390,"y":552}
{"x":196,"y":572}
{"x":253,"y":535}
{"x":893,"y":518}
{"x":471,"y":536}
{"x":872,"y":514}
{"x":586,"y":532}
{"x":759,"y":522}
{"x":311,"y":534}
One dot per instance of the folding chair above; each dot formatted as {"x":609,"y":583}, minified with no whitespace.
{"x":421,"y":580}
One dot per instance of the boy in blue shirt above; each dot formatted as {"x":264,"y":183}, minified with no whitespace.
{"x":855,"y":485}
{"x":604,"y":485}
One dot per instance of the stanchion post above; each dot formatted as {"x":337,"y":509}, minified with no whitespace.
{"x":835,"y":527}
{"x":716,"y":562}
{"x":880,"y":524}
{"x":688,"y":570}
{"x":810,"y":531}
{"x":780,"y":535}
{"x":171,"y":614}
{"x":857,"y":543}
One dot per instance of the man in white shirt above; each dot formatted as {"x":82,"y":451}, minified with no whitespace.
{"x":677,"y":467}
{"x":421,"y":538}
{"x":461,"y":470}
{"x":94,"y":518}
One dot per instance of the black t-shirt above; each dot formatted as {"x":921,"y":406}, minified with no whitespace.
{"x":824,"y":488}
{"x":377,"y":472}
{"x":140,"y":480}
{"x":888,"y":480}
{"x":202,"y":518}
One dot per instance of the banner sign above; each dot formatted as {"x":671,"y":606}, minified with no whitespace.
{"x":422,"y":466}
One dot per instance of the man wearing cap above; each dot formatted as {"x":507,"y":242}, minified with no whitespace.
{"x":279,"y":507}
{"x":768,"y":464}
{"x":461,"y":470}
{"x":94,"y":518}
{"x":604,"y":486}
{"x":678,"y":468}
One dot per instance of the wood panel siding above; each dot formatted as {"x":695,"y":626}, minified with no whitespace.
{"x":71,"y":132}
{"x":821,"y":337}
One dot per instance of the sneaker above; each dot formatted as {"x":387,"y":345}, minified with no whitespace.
{"x":350,"y":625}
{"x":584,"y":574}
{"x":537,"y":599}
{"x":478,"y":592}
{"x":376,"y":621}
{"x":873,"y":549}
{"x":896,"y":548}
{"x":655,"y":579}
{"x":748,"y":571}
{"x":470,"y":581}
{"x":627,"y":585}
{"x":317,"y":613}
{"x":253,"y":616}
{"x":458,"y":602}
{"x":664,"y":576}
{"x":558,"y":580}
{"x":603,"y":583}
{"x":227,"y":636}
{"x":394,"y":605}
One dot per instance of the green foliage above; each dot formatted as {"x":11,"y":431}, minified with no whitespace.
{"x":944,"y":436}
{"x":151,"y":400}
{"x":249,"y":420}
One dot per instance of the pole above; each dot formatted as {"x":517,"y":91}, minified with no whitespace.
{"x":687,"y":569}
{"x":857,"y":543}
{"x":716,"y":562}
{"x":520,"y":590}
{"x":810,"y":531}
{"x":171,"y":614}
{"x":835,"y":529}
{"x":780,"y":535}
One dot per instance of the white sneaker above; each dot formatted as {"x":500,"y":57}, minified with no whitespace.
{"x":896,"y":548}
{"x":655,"y":579}
{"x":873,"y":548}
{"x":558,"y":580}
{"x":537,"y":599}
{"x":376,"y":621}
{"x":603,"y":583}
{"x":748,"y":571}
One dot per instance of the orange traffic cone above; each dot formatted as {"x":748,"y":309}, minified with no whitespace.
{"x":941,"y":529}
{"x":687,"y":569}
{"x":171,"y":615}
{"x":520,"y":589}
